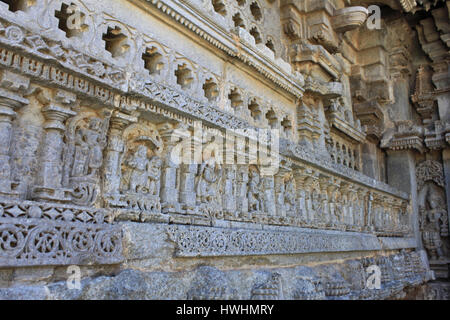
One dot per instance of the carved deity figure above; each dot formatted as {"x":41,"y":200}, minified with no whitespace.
{"x":254,"y":192}
{"x":208,"y":176}
{"x":434,"y":223}
{"x":89,"y":145}
{"x":144,"y":172}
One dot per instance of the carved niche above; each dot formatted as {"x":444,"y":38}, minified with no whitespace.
{"x":83,"y":157}
{"x":141,"y":165}
{"x":207,"y":184}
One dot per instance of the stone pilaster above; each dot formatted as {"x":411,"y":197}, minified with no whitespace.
{"x":12,"y":87}
{"x":172,"y":137}
{"x":116,"y":146}
{"x":49,"y":179}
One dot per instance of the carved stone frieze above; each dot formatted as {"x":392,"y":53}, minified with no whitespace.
{"x":202,"y":241}
{"x":37,"y":233}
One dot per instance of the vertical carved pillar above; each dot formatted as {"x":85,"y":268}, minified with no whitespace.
{"x":279,"y":192}
{"x":172,"y":136}
{"x":347,"y":218}
{"x":229,"y":197}
{"x":241,"y":193}
{"x":187,"y":187}
{"x":309,"y":208}
{"x":361,"y":210}
{"x":12,"y":87}
{"x":269,"y":206}
{"x":368,"y":221}
{"x":118,"y":122}
{"x":300,"y":177}
{"x":49,"y":180}
{"x":324,"y":183}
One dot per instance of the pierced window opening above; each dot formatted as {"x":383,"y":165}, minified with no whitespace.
{"x":270,"y":45}
{"x":219,"y":7}
{"x":153,"y":60}
{"x":18,"y":5}
{"x":255,"y":34}
{"x":241,"y":2}
{"x":238,"y":22}
{"x":272,"y":119}
{"x":256,"y":11}
{"x":287,"y":125}
{"x":71,"y":20}
{"x":115,"y":42}
{"x":235,"y":98}
{"x":184,"y":76}
{"x":211,"y":90}
{"x":255,"y":110}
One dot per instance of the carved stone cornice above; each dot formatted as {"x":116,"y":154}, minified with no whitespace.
{"x":435,"y":136}
{"x":217,"y":36}
{"x":336,"y":117}
{"x":349,"y":18}
{"x":371,"y":117}
{"x":306,"y":56}
{"x":407,"y":136}
{"x":326,"y":90}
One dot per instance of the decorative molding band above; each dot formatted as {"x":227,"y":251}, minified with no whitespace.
{"x":35,"y":233}
{"x":388,"y":243}
{"x":299,"y":153}
{"x":210,"y":242}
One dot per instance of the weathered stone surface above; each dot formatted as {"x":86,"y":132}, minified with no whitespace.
{"x":277,"y":150}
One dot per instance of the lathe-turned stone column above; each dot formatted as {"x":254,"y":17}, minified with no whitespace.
{"x":241,"y":190}
{"x":116,"y":146}
{"x":12,"y":87}
{"x":172,"y":136}
{"x":279,"y":192}
{"x":368,"y":220}
{"x":326,"y":219}
{"x":49,"y":179}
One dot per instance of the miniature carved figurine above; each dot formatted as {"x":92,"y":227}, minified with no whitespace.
{"x":254,"y":192}
{"x":434,"y":224}
{"x":89,"y":145}
{"x":144,"y":174}
{"x":84,"y":157}
{"x":207,"y":179}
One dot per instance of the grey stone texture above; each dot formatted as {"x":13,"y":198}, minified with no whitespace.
{"x":222,"y":149}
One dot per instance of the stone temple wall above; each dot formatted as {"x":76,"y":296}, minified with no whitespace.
{"x":224,"y":149}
